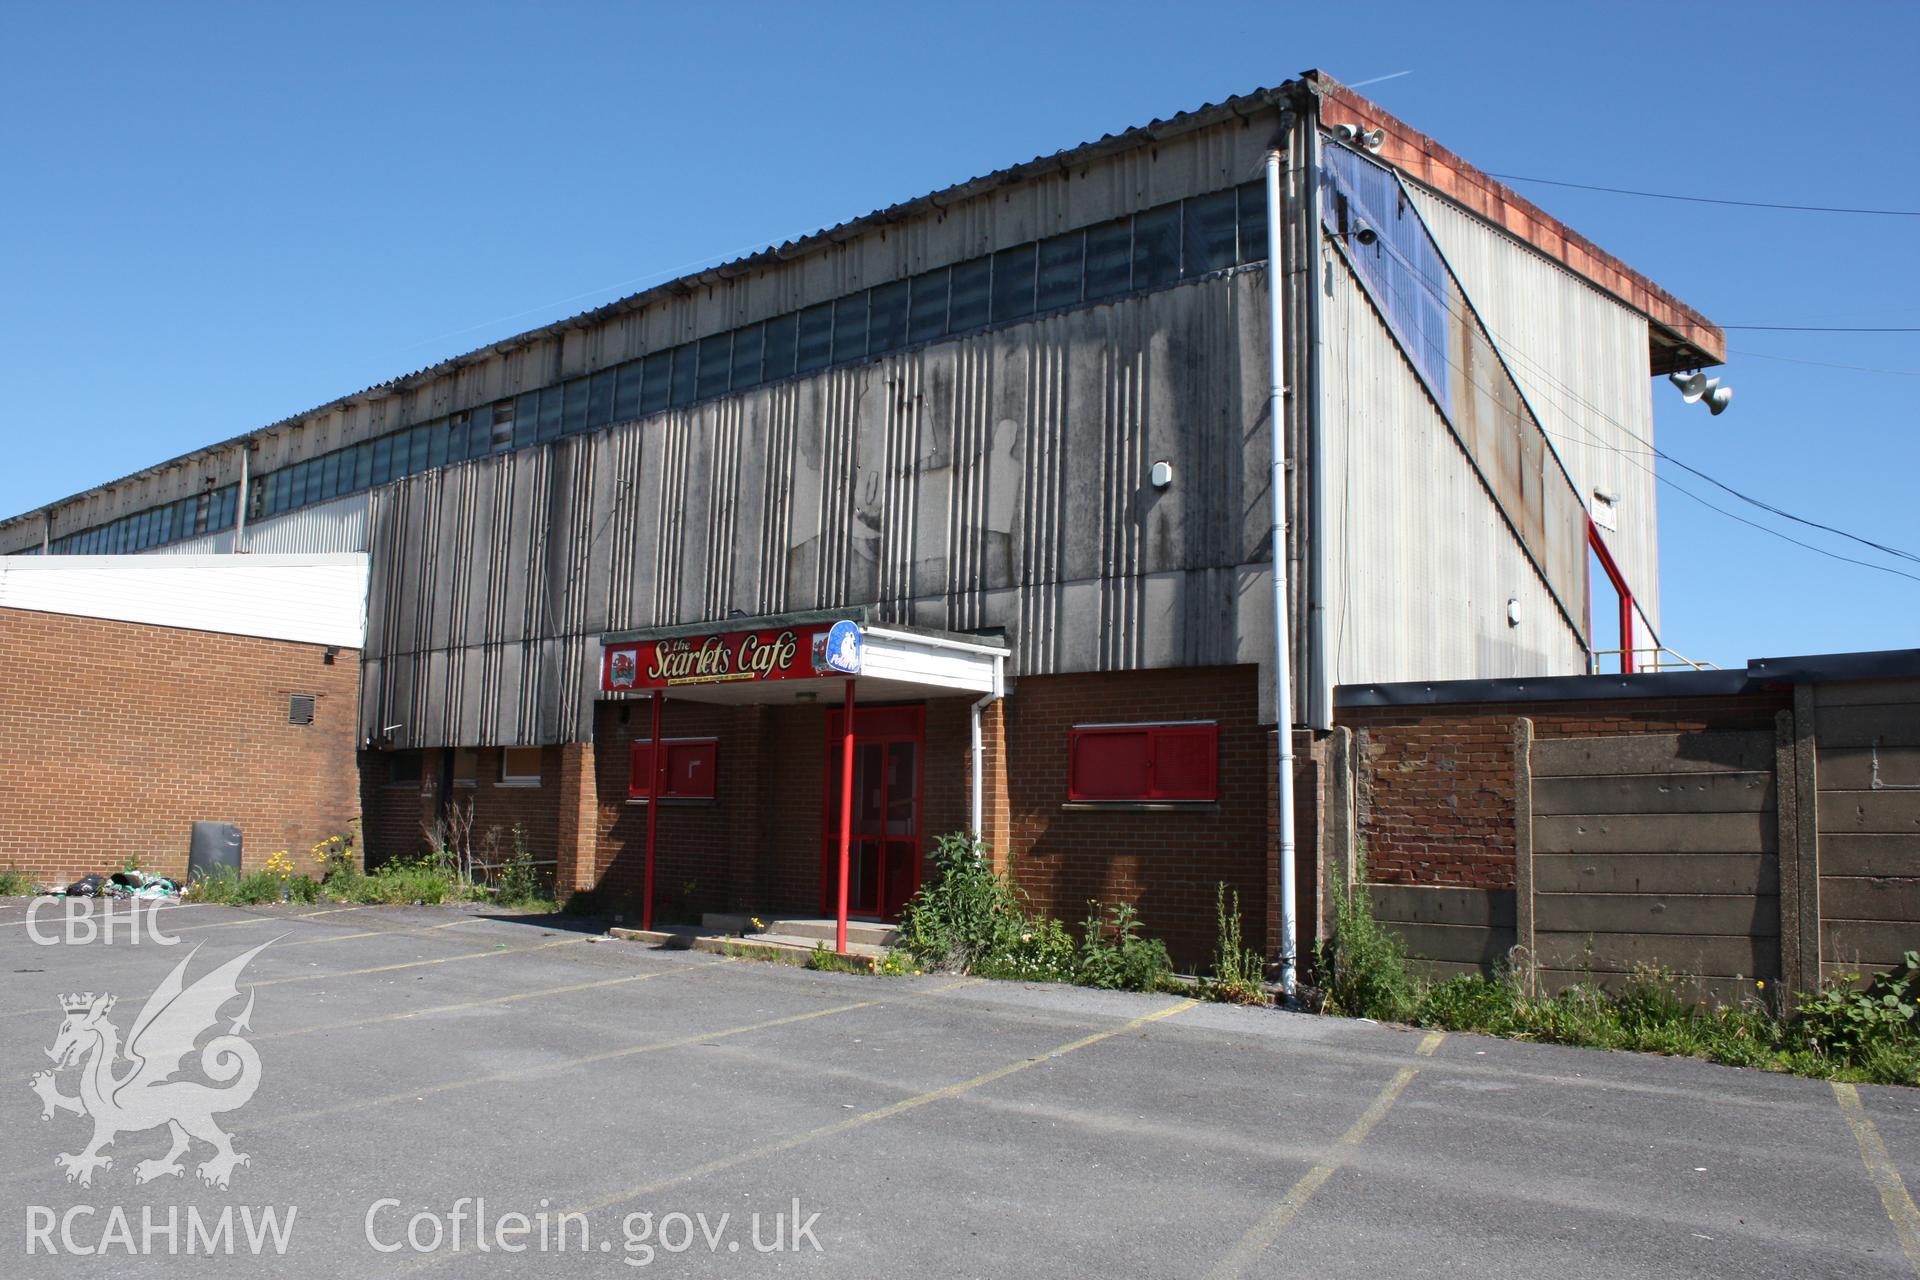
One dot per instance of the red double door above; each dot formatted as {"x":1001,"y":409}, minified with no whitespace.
{"x":884,"y":858}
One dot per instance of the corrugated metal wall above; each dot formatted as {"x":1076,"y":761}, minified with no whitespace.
{"x":1422,"y":563}
{"x":1581,"y":360}
{"x":339,"y":526}
{"x":993,"y":481}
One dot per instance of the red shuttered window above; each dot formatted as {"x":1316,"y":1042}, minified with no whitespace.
{"x":1144,"y":762}
{"x":689,"y":767}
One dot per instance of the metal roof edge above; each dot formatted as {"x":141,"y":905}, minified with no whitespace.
{"x":1760,"y":673}
{"x":194,"y":559}
{"x":860,"y":613}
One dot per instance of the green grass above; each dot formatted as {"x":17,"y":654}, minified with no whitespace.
{"x":14,"y":882}
{"x":394,"y":883}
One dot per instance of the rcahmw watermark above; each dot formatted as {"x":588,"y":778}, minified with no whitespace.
{"x":643,"y":1235}
{"x":84,"y":1230}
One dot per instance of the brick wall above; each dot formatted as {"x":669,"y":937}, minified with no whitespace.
{"x":1168,"y":864}
{"x":693,"y":868}
{"x":398,"y":814}
{"x":116,"y":737}
{"x":1434,"y":785}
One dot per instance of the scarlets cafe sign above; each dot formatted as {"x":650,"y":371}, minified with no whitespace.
{"x":786,"y":653}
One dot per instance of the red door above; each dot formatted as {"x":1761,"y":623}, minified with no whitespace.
{"x":883,"y":867}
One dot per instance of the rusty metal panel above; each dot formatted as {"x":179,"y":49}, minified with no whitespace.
{"x":1422,"y":563}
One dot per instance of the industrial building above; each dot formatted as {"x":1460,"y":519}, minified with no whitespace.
{"x":992,"y":470}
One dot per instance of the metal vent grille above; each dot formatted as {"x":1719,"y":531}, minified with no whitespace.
{"x":300,"y":709}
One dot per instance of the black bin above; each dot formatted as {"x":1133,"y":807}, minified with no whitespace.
{"x":215,"y":844}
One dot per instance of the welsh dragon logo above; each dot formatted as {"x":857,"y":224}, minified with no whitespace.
{"x":130,"y":1092}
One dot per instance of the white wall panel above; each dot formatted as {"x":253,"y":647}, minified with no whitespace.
{"x":311,"y":599}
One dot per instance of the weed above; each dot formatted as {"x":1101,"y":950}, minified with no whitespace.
{"x":1363,"y":965}
{"x":1113,"y":955}
{"x":897,"y":964}
{"x":1043,"y":952}
{"x":519,"y":879}
{"x":1238,"y":974}
{"x":973,"y":919}
{"x":14,"y":882}
{"x":224,"y":884}
{"x":1847,"y":1022}
{"x":1470,"y":1002}
{"x":1842,"y":1032}
{"x":968,"y":916}
{"x":826,"y":960}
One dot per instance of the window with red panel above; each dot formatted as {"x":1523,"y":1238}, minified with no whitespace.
{"x":689,"y":767}
{"x":1176,"y":761}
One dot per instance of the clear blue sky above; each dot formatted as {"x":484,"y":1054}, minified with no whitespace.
{"x":217,"y":216}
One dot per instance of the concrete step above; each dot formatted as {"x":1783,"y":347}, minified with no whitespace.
{"x":671,"y":938}
{"x":865,"y":932}
{"x":770,"y":946}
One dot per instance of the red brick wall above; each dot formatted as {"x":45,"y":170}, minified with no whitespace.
{"x":693,"y":869}
{"x":397,"y":814}
{"x":1168,"y":864}
{"x":1434,"y":785}
{"x":116,"y":737}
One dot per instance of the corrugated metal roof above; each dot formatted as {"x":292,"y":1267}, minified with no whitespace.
{"x":1158,"y":129}
{"x":1153,"y":131}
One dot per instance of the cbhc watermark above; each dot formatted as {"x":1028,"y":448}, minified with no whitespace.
{"x":97,"y":920}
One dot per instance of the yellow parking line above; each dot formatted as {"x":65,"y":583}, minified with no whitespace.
{"x":1886,"y":1177}
{"x":405,"y":1014}
{"x":498,"y":1077}
{"x":264,"y":919}
{"x":371,"y":933}
{"x":879,"y":1113}
{"x":415,"y":1013}
{"x":304,"y":942}
{"x":1268,"y":1229}
{"x":48,"y":920}
{"x":417,"y":964}
{"x":656,"y":1046}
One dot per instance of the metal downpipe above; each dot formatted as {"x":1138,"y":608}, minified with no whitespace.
{"x":1282,"y":631}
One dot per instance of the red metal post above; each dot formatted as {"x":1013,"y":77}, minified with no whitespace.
{"x":1626,"y":632}
{"x":653,"y":814}
{"x":846,"y":817}
{"x":1620,"y":589}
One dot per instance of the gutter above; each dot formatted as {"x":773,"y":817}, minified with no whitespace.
{"x":1319,"y":707}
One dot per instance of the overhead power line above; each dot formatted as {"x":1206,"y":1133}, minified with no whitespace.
{"x":1744,"y":204}
{"x":1824,"y":364}
{"x":1823,"y":328}
{"x":1501,"y":347}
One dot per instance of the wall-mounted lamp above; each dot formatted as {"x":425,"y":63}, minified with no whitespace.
{"x":1160,"y":475}
{"x":1513,"y":611}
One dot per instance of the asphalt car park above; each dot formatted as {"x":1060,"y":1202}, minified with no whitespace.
{"x":446,"y":1090}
